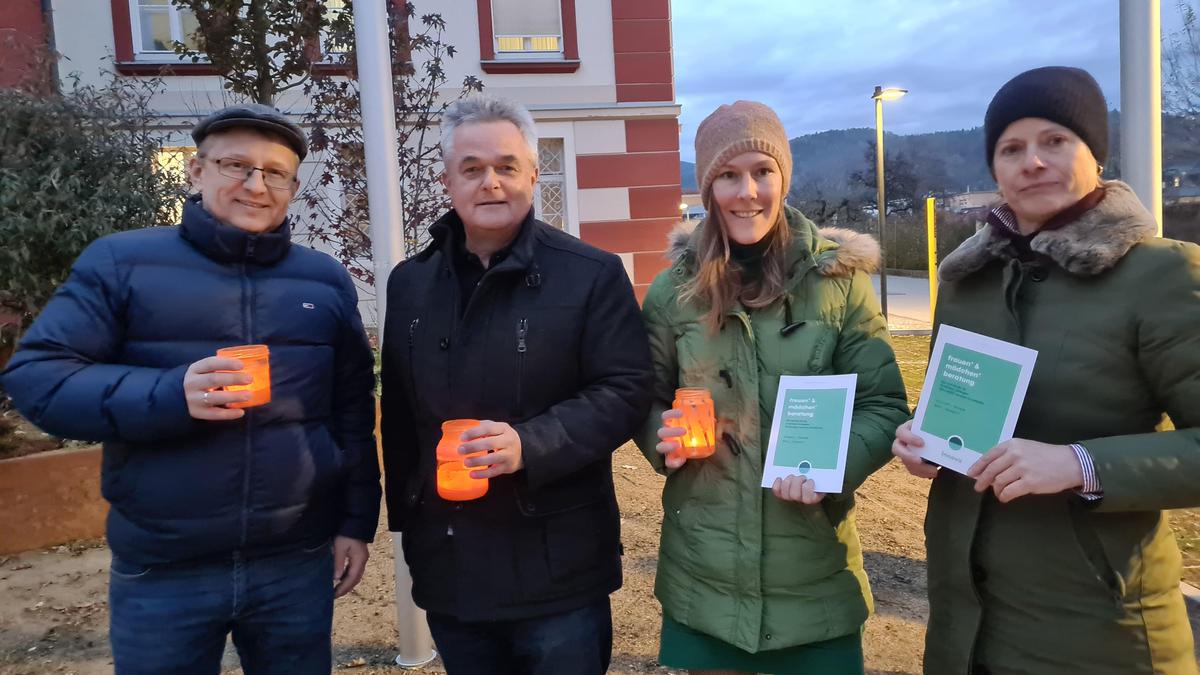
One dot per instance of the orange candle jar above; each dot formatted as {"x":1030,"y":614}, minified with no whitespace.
{"x":256,"y":362}
{"x":454,"y":481}
{"x":699,"y":421}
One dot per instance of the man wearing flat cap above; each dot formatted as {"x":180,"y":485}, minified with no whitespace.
{"x":223,"y":519}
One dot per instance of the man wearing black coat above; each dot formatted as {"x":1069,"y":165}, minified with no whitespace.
{"x":509,"y":321}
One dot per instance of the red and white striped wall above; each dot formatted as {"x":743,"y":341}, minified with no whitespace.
{"x":628,"y":170}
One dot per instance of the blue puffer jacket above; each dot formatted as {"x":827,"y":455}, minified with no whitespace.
{"x":105,"y":361}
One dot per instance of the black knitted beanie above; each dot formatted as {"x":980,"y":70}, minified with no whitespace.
{"x":1067,"y":96}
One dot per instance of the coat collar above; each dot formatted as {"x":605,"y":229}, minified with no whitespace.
{"x":1089,"y":246}
{"x":447,"y":229}
{"x":834,"y":251}
{"x":226,"y":243}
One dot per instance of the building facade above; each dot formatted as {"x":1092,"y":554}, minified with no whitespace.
{"x":596,"y":74}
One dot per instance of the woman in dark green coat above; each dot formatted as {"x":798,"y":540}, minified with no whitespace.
{"x":1054,"y":555}
{"x":756,"y":580}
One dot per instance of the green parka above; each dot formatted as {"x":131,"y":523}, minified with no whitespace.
{"x":735,"y":562}
{"x":1051,"y":584}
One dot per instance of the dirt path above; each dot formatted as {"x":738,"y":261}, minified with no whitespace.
{"x":55,"y":613}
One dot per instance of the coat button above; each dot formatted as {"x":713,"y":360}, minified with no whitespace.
{"x":767,"y":636}
{"x":1039,"y":274}
{"x":444,"y":344}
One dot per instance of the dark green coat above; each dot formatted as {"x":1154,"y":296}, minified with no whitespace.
{"x":1047,"y":584}
{"x":736,"y":562}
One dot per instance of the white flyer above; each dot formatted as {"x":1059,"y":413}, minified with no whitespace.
{"x":974,"y":389}
{"x":810,"y":430}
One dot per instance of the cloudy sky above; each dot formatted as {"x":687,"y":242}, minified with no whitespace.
{"x":817,"y":61}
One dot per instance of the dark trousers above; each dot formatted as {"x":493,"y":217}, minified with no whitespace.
{"x":578,"y":642}
{"x":174,"y":618}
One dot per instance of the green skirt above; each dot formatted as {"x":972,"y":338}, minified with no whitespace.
{"x":682,"y":647}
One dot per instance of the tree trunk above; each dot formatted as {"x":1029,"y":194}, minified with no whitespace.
{"x":264,"y":87}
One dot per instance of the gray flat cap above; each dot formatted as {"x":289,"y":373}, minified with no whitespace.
{"x":255,"y":116}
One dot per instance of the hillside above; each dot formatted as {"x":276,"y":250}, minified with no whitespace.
{"x":940,"y":162}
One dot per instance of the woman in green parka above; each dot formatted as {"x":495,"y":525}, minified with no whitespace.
{"x":1054,"y":554}
{"x":755,"y":580}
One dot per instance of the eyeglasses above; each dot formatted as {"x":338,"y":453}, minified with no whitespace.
{"x":241,"y":171}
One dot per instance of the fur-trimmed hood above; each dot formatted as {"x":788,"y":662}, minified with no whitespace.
{"x":1086,"y":247}
{"x":838,"y":252}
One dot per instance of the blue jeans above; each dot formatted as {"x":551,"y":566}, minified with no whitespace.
{"x":174,"y":618}
{"x":578,"y":642}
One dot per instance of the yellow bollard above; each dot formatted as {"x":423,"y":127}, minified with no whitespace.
{"x":931,"y":238}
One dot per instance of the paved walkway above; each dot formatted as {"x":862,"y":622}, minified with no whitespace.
{"x":908,"y":302}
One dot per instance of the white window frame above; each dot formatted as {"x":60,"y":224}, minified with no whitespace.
{"x":135,"y":20}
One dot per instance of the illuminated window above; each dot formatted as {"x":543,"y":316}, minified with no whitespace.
{"x":527,"y":27}
{"x":335,"y":10}
{"x":158,"y":25}
{"x":173,"y":160}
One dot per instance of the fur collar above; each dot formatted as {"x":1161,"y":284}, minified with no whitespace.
{"x":838,"y":252}
{"x":1086,"y":247}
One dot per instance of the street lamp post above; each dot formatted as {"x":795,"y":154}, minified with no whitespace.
{"x":880,"y":95}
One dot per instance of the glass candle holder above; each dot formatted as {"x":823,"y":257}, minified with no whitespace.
{"x":454,"y":481}
{"x":699,"y":422}
{"x":256,"y":362}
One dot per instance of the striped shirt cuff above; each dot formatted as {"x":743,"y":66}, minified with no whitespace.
{"x":1091,"y":489}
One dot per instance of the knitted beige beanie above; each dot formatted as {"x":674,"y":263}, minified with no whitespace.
{"x":744,"y":126}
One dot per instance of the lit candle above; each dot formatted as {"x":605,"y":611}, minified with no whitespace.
{"x":698,"y":421}
{"x":454,"y":481}
{"x":256,"y":362}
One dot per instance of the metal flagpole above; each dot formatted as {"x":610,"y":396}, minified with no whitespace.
{"x":387,"y":250}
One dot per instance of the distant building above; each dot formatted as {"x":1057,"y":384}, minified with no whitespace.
{"x":692,"y":206}
{"x":1189,"y":194}
{"x":970,"y":202}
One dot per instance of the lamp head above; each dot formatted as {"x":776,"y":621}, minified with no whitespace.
{"x":888,"y":94}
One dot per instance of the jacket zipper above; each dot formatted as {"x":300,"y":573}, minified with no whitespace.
{"x":522,"y":332}
{"x":248,"y":451}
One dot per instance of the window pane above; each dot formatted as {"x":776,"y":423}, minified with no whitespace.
{"x":550,"y":204}
{"x":173,"y":161}
{"x":543,"y":44}
{"x":550,"y":156}
{"x":147,"y":3}
{"x":156,"y":30}
{"x":510,"y":44}
{"x":334,"y":9}
{"x":189,"y":24}
{"x":526,"y":17}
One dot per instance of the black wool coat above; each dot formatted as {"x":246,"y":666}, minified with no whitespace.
{"x":551,"y":341}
